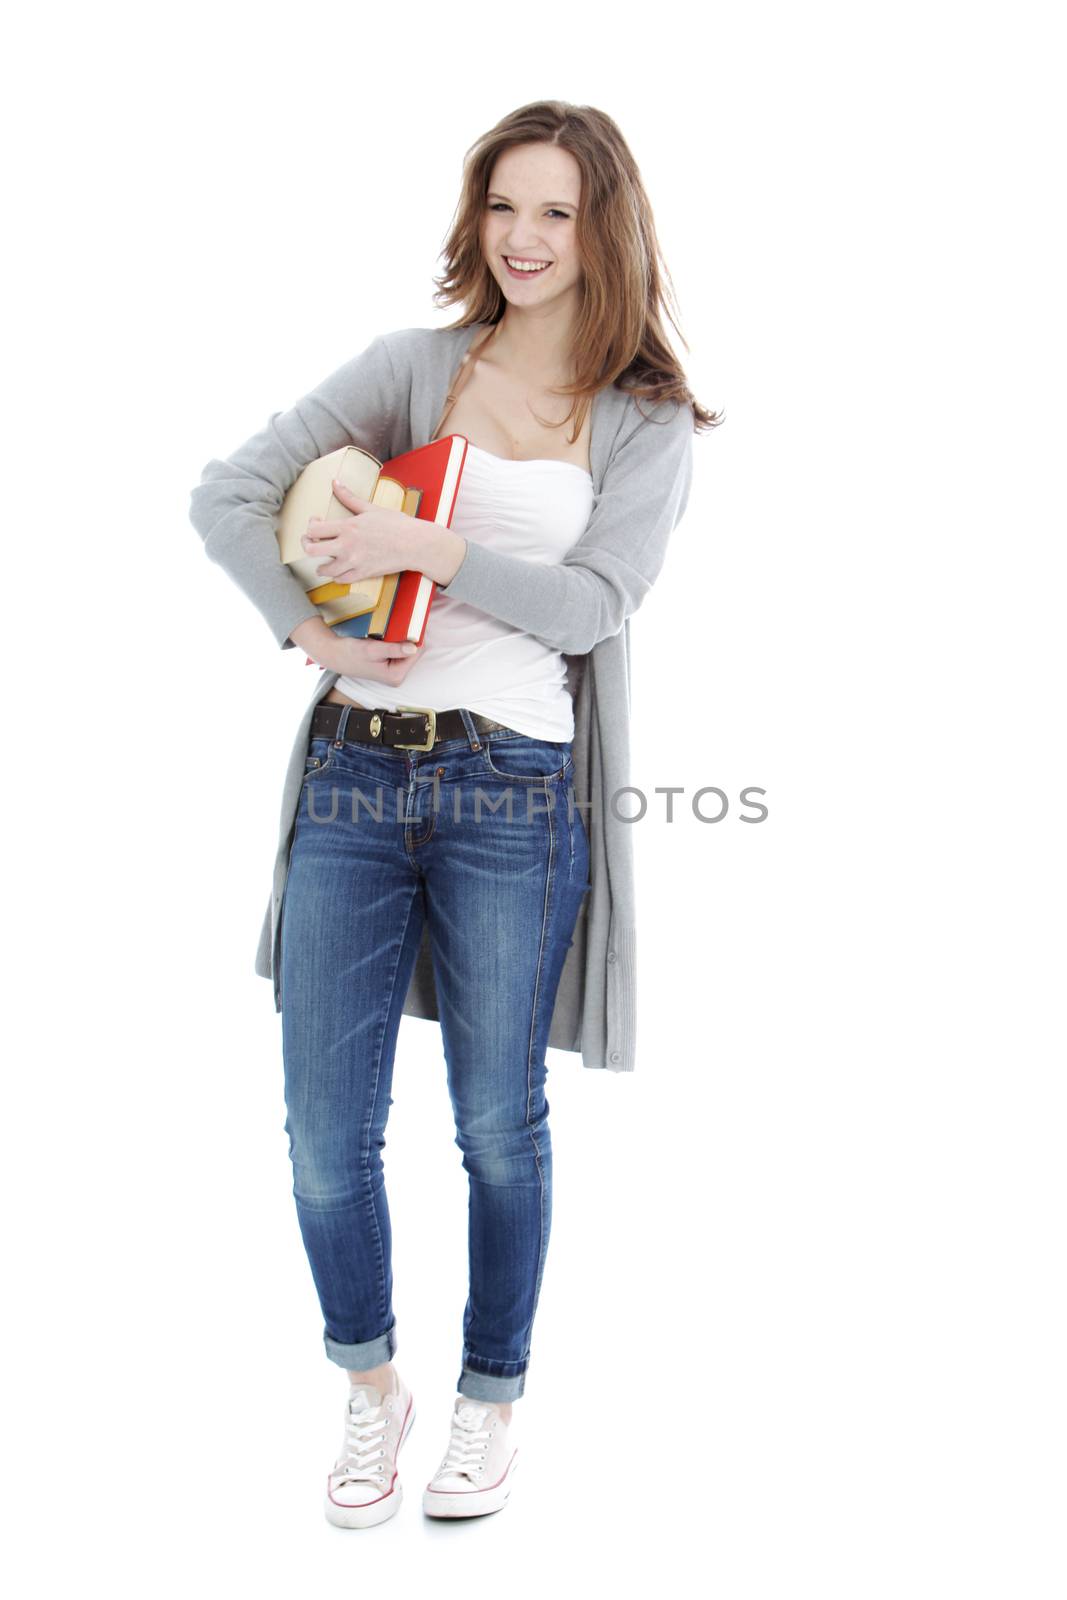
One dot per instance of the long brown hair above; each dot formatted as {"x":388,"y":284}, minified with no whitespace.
{"x":619,"y":335}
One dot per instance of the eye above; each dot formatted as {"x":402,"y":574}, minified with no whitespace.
{"x":552,"y":210}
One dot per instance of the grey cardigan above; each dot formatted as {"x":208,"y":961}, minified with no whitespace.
{"x":388,"y":399}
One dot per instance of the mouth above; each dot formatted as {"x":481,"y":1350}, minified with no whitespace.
{"x":527,"y":270}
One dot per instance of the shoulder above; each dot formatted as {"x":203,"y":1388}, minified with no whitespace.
{"x":655,"y":434}
{"x":668,"y":416}
{"x":408,"y":346}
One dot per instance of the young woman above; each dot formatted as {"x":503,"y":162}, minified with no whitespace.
{"x":508,"y":918}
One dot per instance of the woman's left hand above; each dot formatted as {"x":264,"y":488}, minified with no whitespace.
{"x":372,"y":542}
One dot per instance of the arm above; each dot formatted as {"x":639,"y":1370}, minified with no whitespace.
{"x":603,"y":578}
{"x":235,"y":505}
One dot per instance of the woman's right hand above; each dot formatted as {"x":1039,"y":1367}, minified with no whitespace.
{"x":354,"y":658}
{"x":370,"y":658}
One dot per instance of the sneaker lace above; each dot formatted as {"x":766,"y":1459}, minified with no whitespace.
{"x":363,"y":1458}
{"x":469,"y":1442}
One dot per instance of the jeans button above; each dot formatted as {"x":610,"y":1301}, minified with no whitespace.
{"x":615,"y":1056}
{"x":611,"y":955}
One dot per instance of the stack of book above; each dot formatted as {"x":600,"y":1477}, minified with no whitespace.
{"x":423,"y":483}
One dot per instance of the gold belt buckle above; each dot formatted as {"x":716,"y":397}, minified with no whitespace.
{"x":420,"y":711}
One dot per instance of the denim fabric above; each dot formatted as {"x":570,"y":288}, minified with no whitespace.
{"x":479,"y":838}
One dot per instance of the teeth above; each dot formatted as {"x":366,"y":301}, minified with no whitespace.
{"x":526,"y":266}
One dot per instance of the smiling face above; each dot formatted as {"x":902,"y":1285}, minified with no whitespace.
{"x":530,"y":216}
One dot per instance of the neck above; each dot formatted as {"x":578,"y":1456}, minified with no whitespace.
{"x":538,"y":343}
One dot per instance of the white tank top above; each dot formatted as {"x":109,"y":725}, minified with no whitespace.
{"x":533,"y":509}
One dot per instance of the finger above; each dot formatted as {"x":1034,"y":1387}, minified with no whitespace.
{"x":386,"y":648}
{"x":347,"y":498}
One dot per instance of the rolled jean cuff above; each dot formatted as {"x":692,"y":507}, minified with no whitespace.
{"x":488,"y":1386}
{"x":362,"y":1357}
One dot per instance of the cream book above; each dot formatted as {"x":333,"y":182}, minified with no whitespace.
{"x":312,"y":496}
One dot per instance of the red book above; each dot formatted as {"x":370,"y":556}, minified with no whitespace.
{"x":436,"y":469}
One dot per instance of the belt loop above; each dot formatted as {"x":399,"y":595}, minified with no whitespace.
{"x":472,"y":732}
{"x":342,"y":723}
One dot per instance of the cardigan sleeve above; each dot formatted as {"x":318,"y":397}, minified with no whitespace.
{"x":573,"y":604}
{"x":235,"y":505}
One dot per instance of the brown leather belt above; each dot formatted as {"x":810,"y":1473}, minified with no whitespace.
{"x":411,"y":728}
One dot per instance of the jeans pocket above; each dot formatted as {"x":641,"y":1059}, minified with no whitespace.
{"x":521,"y":759}
{"x":319,"y":758}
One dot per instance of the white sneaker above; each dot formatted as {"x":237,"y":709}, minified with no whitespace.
{"x":363,"y":1486}
{"x":479,"y":1465}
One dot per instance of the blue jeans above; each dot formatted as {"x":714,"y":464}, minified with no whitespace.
{"x":481,"y":837}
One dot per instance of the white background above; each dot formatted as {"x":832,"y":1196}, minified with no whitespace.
{"x":802,"y":1323}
